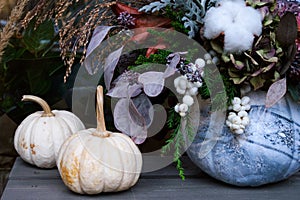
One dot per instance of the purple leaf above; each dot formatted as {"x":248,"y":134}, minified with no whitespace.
{"x":128,"y":120}
{"x":144,"y":107}
{"x":175,"y":59}
{"x":91,"y":64}
{"x":276,"y":91}
{"x":99,"y":34}
{"x":124,"y":90}
{"x":153,"y":83}
{"x":169,"y":72}
{"x":110,"y":65}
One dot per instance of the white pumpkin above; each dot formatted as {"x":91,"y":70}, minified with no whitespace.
{"x":96,"y":160}
{"x":39,"y":137}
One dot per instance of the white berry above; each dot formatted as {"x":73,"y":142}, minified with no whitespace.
{"x":183,"y":107}
{"x":236,"y":107}
{"x":236,"y":100}
{"x":200,"y":63}
{"x":245,"y":101}
{"x":188,"y":100}
{"x":193,"y":91}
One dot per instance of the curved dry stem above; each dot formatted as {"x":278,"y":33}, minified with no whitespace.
{"x":41,"y":102}
{"x":101,"y":129}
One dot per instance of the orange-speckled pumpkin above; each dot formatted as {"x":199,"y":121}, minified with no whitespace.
{"x":96,"y":160}
{"x":39,"y":137}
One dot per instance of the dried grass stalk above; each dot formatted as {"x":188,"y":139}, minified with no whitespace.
{"x":75,"y":22}
{"x":12,"y":25}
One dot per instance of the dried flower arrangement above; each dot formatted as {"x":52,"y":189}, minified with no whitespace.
{"x":266,"y":55}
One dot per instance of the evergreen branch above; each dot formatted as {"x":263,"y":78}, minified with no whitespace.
{"x":178,"y":139}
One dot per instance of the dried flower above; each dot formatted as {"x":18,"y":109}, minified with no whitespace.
{"x":125,"y":19}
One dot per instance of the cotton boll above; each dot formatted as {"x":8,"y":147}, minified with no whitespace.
{"x":251,"y":20}
{"x":213,"y":26}
{"x":188,"y":100}
{"x":237,"y":39}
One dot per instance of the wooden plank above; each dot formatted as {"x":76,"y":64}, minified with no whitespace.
{"x":170,"y":188}
{"x":22,"y":170}
{"x":27,"y":182}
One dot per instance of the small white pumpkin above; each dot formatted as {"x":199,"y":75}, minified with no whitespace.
{"x":39,"y":137}
{"x":96,"y":160}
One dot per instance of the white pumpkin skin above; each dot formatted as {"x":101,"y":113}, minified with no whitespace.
{"x":39,"y":137}
{"x":95,"y":160}
{"x":91,"y":164}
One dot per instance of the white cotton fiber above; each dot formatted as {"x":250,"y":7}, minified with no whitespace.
{"x":237,"y":39}
{"x":238,"y":22}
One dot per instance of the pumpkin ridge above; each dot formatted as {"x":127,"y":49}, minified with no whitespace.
{"x":69,"y":120}
{"x":120,"y":170}
{"x":70,"y":174}
{"x":32,"y":136}
{"x":22,"y":132}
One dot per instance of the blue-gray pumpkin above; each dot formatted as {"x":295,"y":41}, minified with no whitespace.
{"x":268,"y":151}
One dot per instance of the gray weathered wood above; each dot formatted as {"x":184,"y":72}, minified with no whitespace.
{"x":22,"y":170}
{"x":29,"y":183}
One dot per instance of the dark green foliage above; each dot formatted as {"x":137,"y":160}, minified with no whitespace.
{"x":31,"y":65}
{"x":176,"y":16}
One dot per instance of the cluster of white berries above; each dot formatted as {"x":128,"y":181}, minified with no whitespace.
{"x":187,"y":89}
{"x":238,"y":119}
{"x":211,"y":57}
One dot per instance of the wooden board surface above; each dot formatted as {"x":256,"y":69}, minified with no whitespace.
{"x":30,"y":183}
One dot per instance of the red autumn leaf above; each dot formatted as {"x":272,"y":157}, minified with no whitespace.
{"x":141,"y":19}
{"x":145,"y":20}
{"x":153,"y":50}
{"x":120,"y":7}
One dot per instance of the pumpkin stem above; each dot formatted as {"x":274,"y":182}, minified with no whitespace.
{"x":101,"y":129}
{"x":41,"y":102}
